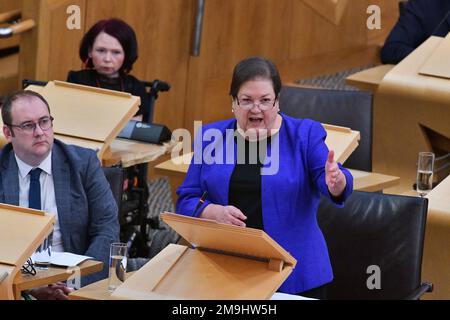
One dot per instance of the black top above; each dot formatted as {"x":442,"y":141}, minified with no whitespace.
{"x":245,"y":182}
{"x":126,"y":83}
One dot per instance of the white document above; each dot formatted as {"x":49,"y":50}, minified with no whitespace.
{"x":67,"y":259}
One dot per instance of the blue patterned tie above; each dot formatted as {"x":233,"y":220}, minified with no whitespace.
{"x":34,"y":196}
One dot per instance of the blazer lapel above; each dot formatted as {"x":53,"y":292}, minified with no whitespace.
{"x":10,"y":179}
{"x":61,"y":181}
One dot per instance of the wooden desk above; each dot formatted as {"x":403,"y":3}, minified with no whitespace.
{"x":410,"y":114}
{"x":436,"y":253}
{"x":94,"y":291}
{"x":369,"y":79}
{"x":99,"y":291}
{"x":52,"y":275}
{"x":176,"y":170}
{"x":371,"y":181}
{"x":130,"y":152}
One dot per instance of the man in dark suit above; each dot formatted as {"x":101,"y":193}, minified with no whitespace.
{"x":418,"y":20}
{"x":72,"y":184}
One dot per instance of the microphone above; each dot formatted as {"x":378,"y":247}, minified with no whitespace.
{"x":157,"y":85}
{"x":162,"y":86}
{"x":146,"y":132}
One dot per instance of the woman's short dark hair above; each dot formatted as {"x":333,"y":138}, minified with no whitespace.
{"x":251,"y":69}
{"x":117,"y":29}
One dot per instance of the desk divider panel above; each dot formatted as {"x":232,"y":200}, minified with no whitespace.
{"x":88,"y":116}
{"x":433,"y":65}
{"x":227,"y":262}
{"x":22,"y":230}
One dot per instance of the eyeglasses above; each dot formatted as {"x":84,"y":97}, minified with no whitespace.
{"x":28,"y":268}
{"x":44,"y":123}
{"x":264,"y":104}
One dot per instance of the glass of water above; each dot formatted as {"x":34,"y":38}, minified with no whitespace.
{"x":425,"y":173}
{"x":117,"y":265}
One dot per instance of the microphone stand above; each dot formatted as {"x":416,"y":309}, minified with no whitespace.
{"x":147,"y":117}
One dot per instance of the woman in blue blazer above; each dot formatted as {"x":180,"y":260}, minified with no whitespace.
{"x":265,"y":170}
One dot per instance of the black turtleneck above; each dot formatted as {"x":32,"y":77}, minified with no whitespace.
{"x":245,"y":182}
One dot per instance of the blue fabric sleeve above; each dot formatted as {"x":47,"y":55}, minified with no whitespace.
{"x":190,"y":191}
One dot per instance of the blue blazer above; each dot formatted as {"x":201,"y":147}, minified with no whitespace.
{"x":419,"y":20}
{"x":290,"y":197}
{"x":87,"y":211}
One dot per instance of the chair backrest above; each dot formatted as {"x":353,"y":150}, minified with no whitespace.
{"x":374,"y":230}
{"x":114,"y":175}
{"x":345,"y":108}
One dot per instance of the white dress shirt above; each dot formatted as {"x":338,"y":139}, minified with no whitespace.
{"x":48,"y":199}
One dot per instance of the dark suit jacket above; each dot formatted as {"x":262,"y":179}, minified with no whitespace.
{"x":419,"y":20}
{"x":87,"y":210}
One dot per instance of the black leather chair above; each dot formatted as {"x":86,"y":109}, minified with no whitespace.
{"x":114,"y":175}
{"x":345,"y":108}
{"x":375,"y":229}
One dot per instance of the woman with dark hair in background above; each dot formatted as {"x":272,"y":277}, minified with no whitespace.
{"x":108,"y":51}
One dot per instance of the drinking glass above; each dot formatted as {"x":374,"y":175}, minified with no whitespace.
{"x":425,"y":173}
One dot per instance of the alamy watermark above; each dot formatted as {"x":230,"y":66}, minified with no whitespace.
{"x":74,"y":280}
{"x":211,"y":148}
{"x":73,"y":21}
{"x":374,"y":280}
{"x":374,"y":20}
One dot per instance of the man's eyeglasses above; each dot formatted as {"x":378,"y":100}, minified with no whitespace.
{"x":264,"y":104}
{"x":44,"y":123}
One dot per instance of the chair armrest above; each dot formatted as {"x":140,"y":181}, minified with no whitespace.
{"x":416,"y":294}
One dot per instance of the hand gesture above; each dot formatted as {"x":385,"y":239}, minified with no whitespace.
{"x":334,"y":177}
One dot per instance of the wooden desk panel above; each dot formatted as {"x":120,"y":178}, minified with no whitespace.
{"x":436,"y":254}
{"x":94,"y":291}
{"x":52,"y":275}
{"x":371,"y":181}
{"x":369,"y":79}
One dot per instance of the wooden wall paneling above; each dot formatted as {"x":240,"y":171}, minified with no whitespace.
{"x":294,"y":70}
{"x":319,"y":47}
{"x":68,"y":53}
{"x":8,"y":74}
{"x":50,"y":49}
{"x":232,"y":30}
{"x":9,"y":65}
{"x":332,"y":10}
{"x":313,"y":35}
{"x":6,"y":43}
{"x":163,"y":30}
{"x":290,"y":33}
{"x":5,"y":6}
